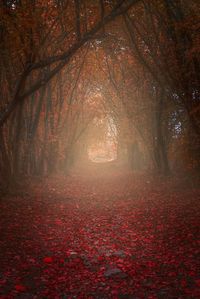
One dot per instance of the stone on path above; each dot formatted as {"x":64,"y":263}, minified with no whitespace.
{"x":119,"y":253}
{"x":112,"y":271}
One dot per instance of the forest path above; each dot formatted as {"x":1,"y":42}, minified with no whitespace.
{"x":107,"y":234}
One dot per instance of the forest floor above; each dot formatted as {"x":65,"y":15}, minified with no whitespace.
{"x":108,"y":234}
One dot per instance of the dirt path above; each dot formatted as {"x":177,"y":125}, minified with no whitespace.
{"x":107,"y":235}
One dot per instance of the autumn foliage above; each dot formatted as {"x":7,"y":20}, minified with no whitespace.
{"x":99,"y":149}
{"x":67,"y":63}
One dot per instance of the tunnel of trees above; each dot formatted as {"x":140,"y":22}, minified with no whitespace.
{"x":76,"y":73}
{"x":99,"y":149}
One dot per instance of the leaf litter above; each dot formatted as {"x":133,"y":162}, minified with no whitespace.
{"x":122,"y":236}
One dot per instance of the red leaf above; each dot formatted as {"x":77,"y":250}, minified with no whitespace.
{"x":20,"y":288}
{"x":48,"y":260}
{"x":183,"y":283}
{"x":100,"y":258}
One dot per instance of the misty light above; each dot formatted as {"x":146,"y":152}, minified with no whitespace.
{"x":104,"y":148}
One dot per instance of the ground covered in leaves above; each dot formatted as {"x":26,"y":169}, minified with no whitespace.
{"x":104,"y":235}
